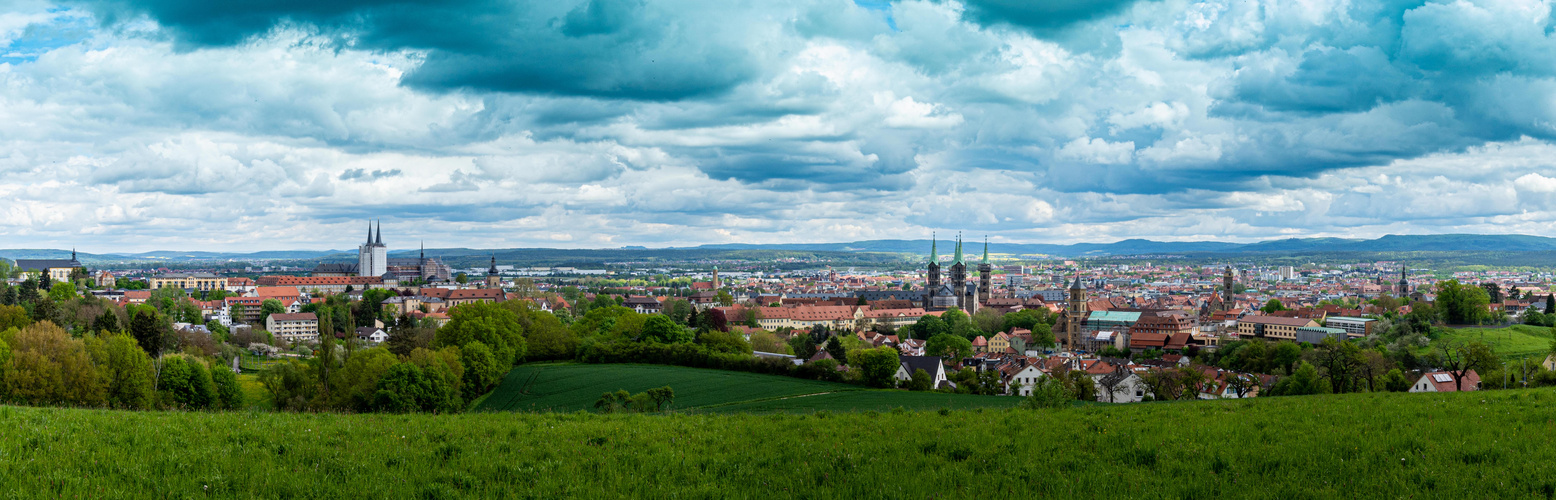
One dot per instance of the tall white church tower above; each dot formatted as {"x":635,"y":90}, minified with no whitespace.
{"x":373,"y":256}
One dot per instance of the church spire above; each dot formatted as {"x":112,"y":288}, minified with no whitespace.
{"x":934,"y":255}
{"x":369,"y":232}
{"x":958,"y":259}
{"x":985,"y":249}
{"x":1077,"y":285}
{"x":380,"y":240}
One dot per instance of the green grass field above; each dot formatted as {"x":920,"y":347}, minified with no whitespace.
{"x":254,"y":394}
{"x":1513,"y":342}
{"x":1390,"y":445}
{"x":565,"y":387}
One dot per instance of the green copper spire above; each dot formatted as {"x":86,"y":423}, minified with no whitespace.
{"x":934,"y":255}
{"x":958,"y":259}
{"x":985,"y":250}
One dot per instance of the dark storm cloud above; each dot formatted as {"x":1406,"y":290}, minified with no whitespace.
{"x":1042,"y":15}
{"x":608,"y":48}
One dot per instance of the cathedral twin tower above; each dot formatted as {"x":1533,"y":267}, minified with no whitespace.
{"x":958,"y":294}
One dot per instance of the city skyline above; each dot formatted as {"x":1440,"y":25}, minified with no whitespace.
{"x":138,"y":126}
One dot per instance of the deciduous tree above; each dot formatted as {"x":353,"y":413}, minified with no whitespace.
{"x":49,"y":367}
{"x":948,"y":346}
{"x":229,"y":395}
{"x":877,"y":366}
{"x":660,"y":328}
{"x":128,"y":375}
{"x":1458,"y":358}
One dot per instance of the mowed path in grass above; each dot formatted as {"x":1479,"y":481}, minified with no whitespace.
{"x":572,"y":387}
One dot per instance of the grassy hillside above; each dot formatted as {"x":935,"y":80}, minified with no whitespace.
{"x":571,"y":387}
{"x":1472,"y":445}
{"x":1511,"y":343}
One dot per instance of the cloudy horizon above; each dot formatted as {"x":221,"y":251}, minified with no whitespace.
{"x":130,"y":126}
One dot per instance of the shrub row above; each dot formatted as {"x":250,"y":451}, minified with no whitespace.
{"x":696,"y":356}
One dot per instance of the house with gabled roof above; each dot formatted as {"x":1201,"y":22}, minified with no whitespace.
{"x":1444,"y":382}
{"x":932,"y":365}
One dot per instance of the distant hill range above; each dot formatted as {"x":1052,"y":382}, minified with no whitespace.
{"x":1390,"y":243}
{"x":167,"y":255}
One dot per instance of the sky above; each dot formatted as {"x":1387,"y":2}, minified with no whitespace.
{"x":287,"y":124}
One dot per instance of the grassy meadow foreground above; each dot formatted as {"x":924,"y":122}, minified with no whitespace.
{"x":565,"y":387}
{"x":1475,"y":445}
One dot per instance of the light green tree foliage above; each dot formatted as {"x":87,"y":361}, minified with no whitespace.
{"x":609,"y":322}
{"x":660,"y":328}
{"x":229,"y":395}
{"x":127,"y":373}
{"x":184,"y":382}
{"x":718,"y":341}
{"x":488,"y":324}
{"x":49,"y":367}
{"x":876,"y":366}
{"x":62,"y":292}
{"x":948,"y":346}
{"x":357,"y":380}
{"x":482,"y":372}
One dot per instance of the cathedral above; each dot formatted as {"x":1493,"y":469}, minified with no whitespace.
{"x":940,"y":296}
{"x":373,"y":260}
{"x":373,"y":256}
